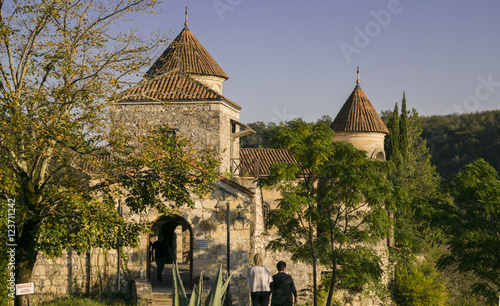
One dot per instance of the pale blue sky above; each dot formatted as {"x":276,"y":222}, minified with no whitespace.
{"x":291,"y":58}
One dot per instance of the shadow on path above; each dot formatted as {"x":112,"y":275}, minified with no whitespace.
{"x":167,"y":285}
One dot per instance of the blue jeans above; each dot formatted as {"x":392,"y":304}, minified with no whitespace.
{"x":160,"y":263}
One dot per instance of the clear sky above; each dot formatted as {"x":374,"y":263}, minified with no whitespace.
{"x":296,"y":58}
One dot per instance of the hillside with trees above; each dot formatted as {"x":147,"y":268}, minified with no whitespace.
{"x":456,"y":140}
{"x":453,"y":140}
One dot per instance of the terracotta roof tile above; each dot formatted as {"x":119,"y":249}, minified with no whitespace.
{"x":358,"y":115}
{"x":186,"y":54}
{"x":170,"y":87}
{"x":266,"y":158}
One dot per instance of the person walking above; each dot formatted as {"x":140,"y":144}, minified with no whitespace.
{"x":258,"y":279}
{"x":283,"y":287}
{"x":159,"y":256}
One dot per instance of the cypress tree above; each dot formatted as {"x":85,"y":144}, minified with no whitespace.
{"x":393,"y":126}
{"x":403,"y":129}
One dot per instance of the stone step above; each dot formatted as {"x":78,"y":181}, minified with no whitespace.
{"x":163,"y":299}
{"x":162,"y":295}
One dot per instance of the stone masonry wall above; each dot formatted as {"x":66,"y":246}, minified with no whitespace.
{"x":229,"y":146}
{"x":208,"y":224}
{"x":67,"y":275}
{"x":204,"y":123}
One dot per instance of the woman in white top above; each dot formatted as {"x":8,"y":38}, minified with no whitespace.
{"x":258,"y":279}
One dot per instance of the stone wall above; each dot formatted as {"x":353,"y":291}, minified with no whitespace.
{"x":372,"y":143}
{"x":67,"y":275}
{"x":205,"y":123}
{"x":212,"y":82}
{"x":209,"y":225}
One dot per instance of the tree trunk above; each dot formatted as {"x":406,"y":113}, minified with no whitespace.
{"x":25,"y":259}
{"x":87,"y":272}
{"x":332,"y":284}
{"x":315,"y":294}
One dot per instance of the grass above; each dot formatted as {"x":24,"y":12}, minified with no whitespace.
{"x":80,"y":301}
{"x":74,"y":302}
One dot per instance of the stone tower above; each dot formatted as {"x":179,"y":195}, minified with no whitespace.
{"x":359,"y":123}
{"x":183,"y":89}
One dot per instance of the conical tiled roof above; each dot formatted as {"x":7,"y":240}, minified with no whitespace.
{"x":186,"y":54}
{"x":175,"y":86}
{"x":358,"y":115}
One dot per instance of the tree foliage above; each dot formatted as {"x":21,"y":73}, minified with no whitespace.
{"x":420,"y":284}
{"x":393,"y":142}
{"x":262,"y":139}
{"x":474,"y":225}
{"x":332,"y":206}
{"x":458,"y":139}
{"x":415,"y":181}
{"x":403,"y":129}
{"x":417,"y":198}
{"x":61,"y":62}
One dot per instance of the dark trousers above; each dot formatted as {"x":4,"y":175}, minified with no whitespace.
{"x":260,"y":298}
{"x":160,"y":263}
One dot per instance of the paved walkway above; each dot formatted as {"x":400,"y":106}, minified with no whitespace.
{"x":167,"y":285}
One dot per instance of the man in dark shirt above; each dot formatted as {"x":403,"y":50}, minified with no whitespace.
{"x":283,"y":287}
{"x":159,"y":255}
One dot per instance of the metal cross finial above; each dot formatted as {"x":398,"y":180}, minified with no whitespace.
{"x":357,"y":81}
{"x":186,"y":22}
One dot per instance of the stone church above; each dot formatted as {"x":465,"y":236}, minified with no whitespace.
{"x":190,"y":81}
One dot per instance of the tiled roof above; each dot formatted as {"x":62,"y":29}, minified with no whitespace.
{"x":358,"y":115}
{"x":266,"y":158}
{"x":186,"y":54}
{"x":170,"y":87}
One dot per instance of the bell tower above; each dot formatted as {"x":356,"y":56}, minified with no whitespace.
{"x":183,"y":88}
{"x":358,"y":123}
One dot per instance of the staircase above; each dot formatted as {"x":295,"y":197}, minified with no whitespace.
{"x":163,"y":299}
{"x":163,"y":291}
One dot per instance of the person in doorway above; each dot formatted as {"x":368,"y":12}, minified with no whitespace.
{"x":283,"y":287}
{"x":258,"y":279}
{"x":159,"y":256}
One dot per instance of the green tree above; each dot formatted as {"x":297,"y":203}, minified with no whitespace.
{"x":258,"y":139}
{"x":416,"y":197}
{"x":61,"y":62}
{"x":420,"y":284}
{"x":403,"y":129}
{"x":262,"y":138}
{"x":457,"y":140}
{"x":392,"y":146}
{"x":416,"y":187}
{"x":332,"y":205}
{"x":474,"y":225}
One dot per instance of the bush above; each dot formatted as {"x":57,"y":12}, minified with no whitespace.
{"x":420,"y":284}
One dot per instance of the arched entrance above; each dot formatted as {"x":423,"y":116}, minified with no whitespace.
{"x":177,"y":237}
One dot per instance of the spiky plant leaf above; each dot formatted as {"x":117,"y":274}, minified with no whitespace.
{"x":218,"y":292}
{"x":197,"y":293}
{"x":180,"y":298}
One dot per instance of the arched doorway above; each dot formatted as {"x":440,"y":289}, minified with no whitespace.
{"x":177,"y":236}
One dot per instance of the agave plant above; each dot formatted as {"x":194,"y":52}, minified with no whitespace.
{"x":215,"y":297}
